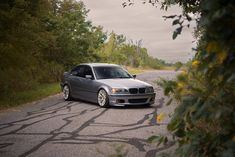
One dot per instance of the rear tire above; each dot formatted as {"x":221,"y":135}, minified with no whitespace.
{"x":102,"y":98}
{"x":67,"y":93}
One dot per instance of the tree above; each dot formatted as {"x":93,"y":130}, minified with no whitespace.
{"x":21,"y":43}
{"x":117,"y":50}
{"x":40,"y":39}
{"x":76,"y":38}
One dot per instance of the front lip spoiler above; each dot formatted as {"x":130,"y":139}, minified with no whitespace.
{"x":132,"y":95}
{"x":113,"y":99}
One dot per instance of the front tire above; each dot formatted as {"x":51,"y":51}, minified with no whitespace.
{"x":66,"y":93}
{"x":102,"y":98}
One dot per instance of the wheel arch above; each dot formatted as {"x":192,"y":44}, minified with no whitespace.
{"x":105,"y":88}
{"x":68,"y":84}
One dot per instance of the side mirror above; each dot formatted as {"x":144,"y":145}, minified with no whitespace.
{"x":88,"y":77}
{"x":134,"y":76}
{"x":74,"y":73}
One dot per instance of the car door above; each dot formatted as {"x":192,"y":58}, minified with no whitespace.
{"x":89,"y":85}
{"x":76,"y":79}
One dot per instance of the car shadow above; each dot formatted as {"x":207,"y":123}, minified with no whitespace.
{"x":144,"y":106}
{"x":84,"y":101}
{"x":117,"y":107}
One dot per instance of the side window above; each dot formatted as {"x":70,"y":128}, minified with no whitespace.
{"x":78,"y":71}
{"x":88,"y":71}
{"x":81,"y":71}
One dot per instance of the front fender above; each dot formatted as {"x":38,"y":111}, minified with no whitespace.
{"x":106,"y":88}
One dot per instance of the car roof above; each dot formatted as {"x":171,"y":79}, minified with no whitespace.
{"x":99,"y":64}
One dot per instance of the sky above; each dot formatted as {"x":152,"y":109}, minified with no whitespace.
{"x":143,"y":22}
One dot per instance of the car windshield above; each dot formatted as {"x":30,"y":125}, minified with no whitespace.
{"x":110,"y":73}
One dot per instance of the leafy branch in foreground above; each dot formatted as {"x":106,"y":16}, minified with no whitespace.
{"x":203,"y":122}
{"x":180,"y":21}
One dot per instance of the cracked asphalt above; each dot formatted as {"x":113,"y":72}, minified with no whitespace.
{"x":53,"y":127}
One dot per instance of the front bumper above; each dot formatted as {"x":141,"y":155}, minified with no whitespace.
{"x":131,"y":99}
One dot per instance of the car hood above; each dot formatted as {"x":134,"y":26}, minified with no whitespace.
{"x":124,"y":83}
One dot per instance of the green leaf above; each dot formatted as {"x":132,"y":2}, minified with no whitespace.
{"x":169,"y":102}
{"x":153,"y":139}
{"x":231,"y":78}
{"x":174,"y":35}
{"x":177,"y":32}
{"x":169,"y":17}
{"x":165,"y":140}
{"x":175,"y":22}
{"x":188,"y":17}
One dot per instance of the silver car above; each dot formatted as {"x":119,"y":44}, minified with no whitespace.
{"x":107,"y":85}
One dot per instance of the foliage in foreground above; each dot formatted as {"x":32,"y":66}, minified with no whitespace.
{"x":203,"y":123}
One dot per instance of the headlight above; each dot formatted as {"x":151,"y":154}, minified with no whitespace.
{"x":149,"y":90}
{"x":119,"y":91}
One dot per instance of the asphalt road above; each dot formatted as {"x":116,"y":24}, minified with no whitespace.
{"x":58,"y":128}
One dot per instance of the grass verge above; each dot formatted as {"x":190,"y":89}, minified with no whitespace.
{"x":135,"y":70}
{"x":169,"y":68}
{"x":38,"y":92}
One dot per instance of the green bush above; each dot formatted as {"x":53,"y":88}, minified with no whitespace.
{"x":40,"y":39}
{"x":203,"y":122}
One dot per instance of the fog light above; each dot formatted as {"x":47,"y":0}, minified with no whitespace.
{"x":120,"y":101}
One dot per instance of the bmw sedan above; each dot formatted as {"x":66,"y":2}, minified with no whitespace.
{"x":107,"y":85}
